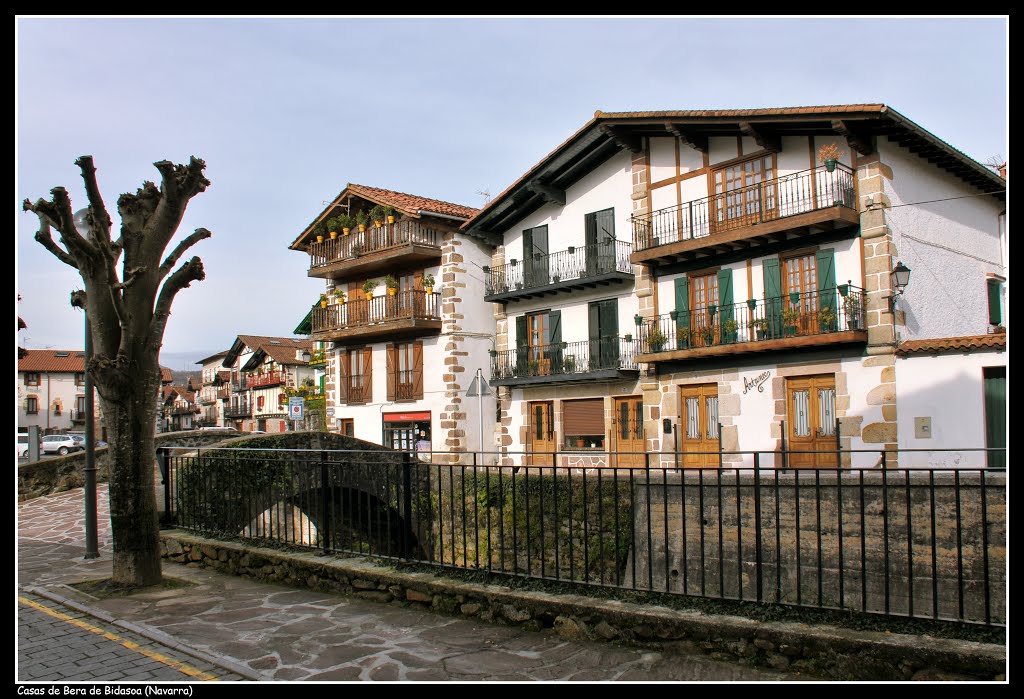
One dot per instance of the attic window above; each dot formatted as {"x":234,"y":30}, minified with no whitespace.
{"x":61,"y":354}
{"x":275,"y":342}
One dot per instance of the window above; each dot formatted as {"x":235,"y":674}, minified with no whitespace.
{"x":357,"y":376}
{"x":347,"y":426}
{"x":583,"y":424}
{"x":599,"y":232}
{"x":703,"y":295}
{"x":79,"y":379}
{"x":31,"y":405}
{"x":405,"y":371}
{"x":31,"y":378}
{"x":995,"y":301}
{"x":742,"y":195}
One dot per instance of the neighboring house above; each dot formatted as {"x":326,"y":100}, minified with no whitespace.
{"x":761,"y":315}
{"x":163,"y":419}
{"x":211,"y":393}
{"x":179,"y":407}
{"x":263,"y":372}
{"x":51,"y":390}
{"x":400,"y":360}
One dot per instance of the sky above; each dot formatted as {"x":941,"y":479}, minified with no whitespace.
{"x":286,"y":111}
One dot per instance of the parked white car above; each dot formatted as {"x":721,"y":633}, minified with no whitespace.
{"x":21,"y":445}
{"x":61,"y":444}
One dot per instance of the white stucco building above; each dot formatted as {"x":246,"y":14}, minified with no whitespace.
{"x":760,"y":279}
{"x":263,"y":372}
{"x":51,"y":390}
{"x":399,"y":360}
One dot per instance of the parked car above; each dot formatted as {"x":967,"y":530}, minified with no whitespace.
{"x":80,"y":436}
{"x":21,"y":445}
{"x":61,"y":444}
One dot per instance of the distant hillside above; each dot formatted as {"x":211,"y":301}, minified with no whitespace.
{"x":180,"y":378}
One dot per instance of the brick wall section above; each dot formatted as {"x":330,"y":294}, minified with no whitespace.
{"x":452,"y":436}
{"x":879,"y":259}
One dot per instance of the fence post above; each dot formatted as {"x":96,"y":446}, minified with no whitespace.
{"x":163,"y":460}
{"x":757,"y":524}
{"x":720,"y":464}
{"x":839,"y":447}
{"x":325,"y":520}
{"x":782,"y":437}
{"x":407,"y":504}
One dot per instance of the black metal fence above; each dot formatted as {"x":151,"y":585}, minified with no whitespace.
{"x":565,"y":358}
{"x":915,"y":542}
{"x":572,"y":264}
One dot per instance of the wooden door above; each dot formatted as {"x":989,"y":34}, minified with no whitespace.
{"x":347,"y":426}
{"x":541,"y":434}
{"x":811,"y":421}
{"x":800,"y":295}
{"x":628,"y":430}
{"x":698,"y":426}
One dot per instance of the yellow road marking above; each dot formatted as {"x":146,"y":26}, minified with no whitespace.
{"x":130,"y":645}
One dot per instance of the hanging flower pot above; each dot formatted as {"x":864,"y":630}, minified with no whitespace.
{"x":334,"y":234}
{"x":844,"y":289}
{"x":391,"y":219}
{"x":319,"y":238}
{"x":345,"y":231}
{"x":794,"y":297}
{"x":830,"y":165}
{"x":752,"y":304}
{"x":392,"y":292}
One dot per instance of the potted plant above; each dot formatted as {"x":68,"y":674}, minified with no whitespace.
{"x":368,"y":286}
{"x":683,"y":335}
{"x":392,"y":284}
{"x":332,"y":227}
{"x":760,"y":325}
{"x":377,"y":215}
{"x":790,"y":318}
{"x":656,"y":339}
{"x":345,"y":222}
{"x":556,"y":277}
{"x":579,"y":442}
{"x":827,"y":318}
{"x":852,"y":308}
{"x":843,"y":289}
{"x":340,"y":295}
{"x":389,"y":213}
{"x":794,"y":297}
{"x":752,"y":304}
{"x":569,"y":364}
{"x":319,"y":231}
{"x":829,"y":154}
{"x":534,"y":366}
{"x":729,"y":328}
{"x":712,"y":310}
{"x":323,"y":300}
{"x":428,"y":283}
{"x":361,"y":220}
{"x":708,"y":333}
{"x":628,"y":337}
{"x":674,"y":315}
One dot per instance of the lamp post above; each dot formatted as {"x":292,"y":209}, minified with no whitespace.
{"x":91,"y":538}
{"x":898,"y":280}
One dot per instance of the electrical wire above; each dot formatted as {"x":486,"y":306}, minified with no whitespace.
{"x":933,"y":201}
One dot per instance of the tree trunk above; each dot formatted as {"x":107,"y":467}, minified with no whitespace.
{"x":133,"y":516}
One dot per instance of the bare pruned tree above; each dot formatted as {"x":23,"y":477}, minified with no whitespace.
{"x":128,"y":315}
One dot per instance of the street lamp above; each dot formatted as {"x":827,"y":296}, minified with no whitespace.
{"x":898,"y":280}
{"x":91,"y":538}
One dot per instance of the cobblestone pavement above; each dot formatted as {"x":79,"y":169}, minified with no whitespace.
{"x":279,"y":633}
{"x":56,"y":643}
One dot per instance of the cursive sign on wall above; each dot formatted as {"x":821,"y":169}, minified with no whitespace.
{"x":756,"y":382}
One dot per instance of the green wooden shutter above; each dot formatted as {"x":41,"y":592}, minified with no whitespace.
{"x":682,"y":312}
{"x":521,"y":346}
{"x":555,"y":324}
{"x":995,"y":415}
{"x":772,"y":296}
{"x":594,"y":335}
{"x":995,"y":311}
{"x":827,"y":285}
{"x":591,"y":249}
{"x":725,"y":309}
{"x":608,"y":320}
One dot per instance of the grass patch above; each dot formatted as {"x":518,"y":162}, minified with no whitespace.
{"x":106,"y":588}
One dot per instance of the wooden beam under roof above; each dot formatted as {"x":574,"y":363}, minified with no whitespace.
{"x":688,"y":138}
{"x":624,"y":140}
{"x":551,"y":194}
{"x":763,"y":138}
{"x":859,"y":141}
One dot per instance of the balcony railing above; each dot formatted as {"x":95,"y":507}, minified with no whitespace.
{"x":272,"y":378}
{"x":359,"y":389}
{"x":387,"y":237}
{"x":566,"y":359}
{"x":801,"y":192}
{"x":223,"y":392}
{"x":821,"y":313}
{"x":238,"y":410}
{"x":183,"y":410}
{"x":317,"y":358}
{"x":240,"y":384}
{"x":405,"y":305}
{"x":572,"y":264}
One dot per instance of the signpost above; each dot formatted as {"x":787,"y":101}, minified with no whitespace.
{"x":479,"y":388}
{"x":296,"y":410}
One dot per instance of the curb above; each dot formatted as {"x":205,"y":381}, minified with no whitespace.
{"x":148,"y":633}
{"x":824,"y":651}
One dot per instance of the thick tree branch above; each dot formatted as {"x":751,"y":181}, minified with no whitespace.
{"x":172,"y":259}
{"x":130,"y":276}
{"x":44,"y":238}
{"x":69,"y":235}
{"x":189,"y":272}
{"x":100,"y":219}
{"x":179,"y":184}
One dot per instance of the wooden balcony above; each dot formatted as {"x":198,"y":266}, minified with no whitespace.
{"x":793,"y":207}
{"x":406,"y":243}
{"x":575,"y":268}
{"x":830,"y":317}
{"x":406,"y":314}
{"x":272,"y":378}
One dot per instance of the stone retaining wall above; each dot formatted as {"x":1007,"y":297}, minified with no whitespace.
{"x":815,"y":650}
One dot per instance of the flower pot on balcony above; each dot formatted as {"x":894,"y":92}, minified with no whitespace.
{"x":844,"y":289}
{"x":333,"y":234}
{"x":794,"y":297}
{"x":830,"y":165}
{"x":580,"y":443}
{"x":369,"y":295}
{"x":392,"y":292}
{"x":752,"y":304}
{"x":391,"y":220}
{"x":319,"y":238}
{"x":428,"y":289}
{"x":362,"y":227}
{"x":346,"y":231}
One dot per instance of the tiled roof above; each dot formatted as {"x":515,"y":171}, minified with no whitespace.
{"x":761,"y":111}
{"x":281,"y":349}
{"x":218,"y":355}
{"x":285,"y":354}
{"x":953,"y":344}
{"x":53,"y":361}
{"x":165,"y":375}
{"x":410,"y":203}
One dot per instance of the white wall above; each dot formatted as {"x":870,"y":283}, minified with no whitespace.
{"x":949,"y":247}
{"x":51,"y":387}
{"x":949,"y":389}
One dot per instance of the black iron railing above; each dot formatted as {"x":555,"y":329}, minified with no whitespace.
{"x":389,"y":236}
{"x":404,"y":305}
{"x":801,"y":192}
{"x":825,"y":312}
{"x":565,"y":358}
{"x":572,"y":264}
{"x":237,"y":410}
{"x":913,"y":542}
